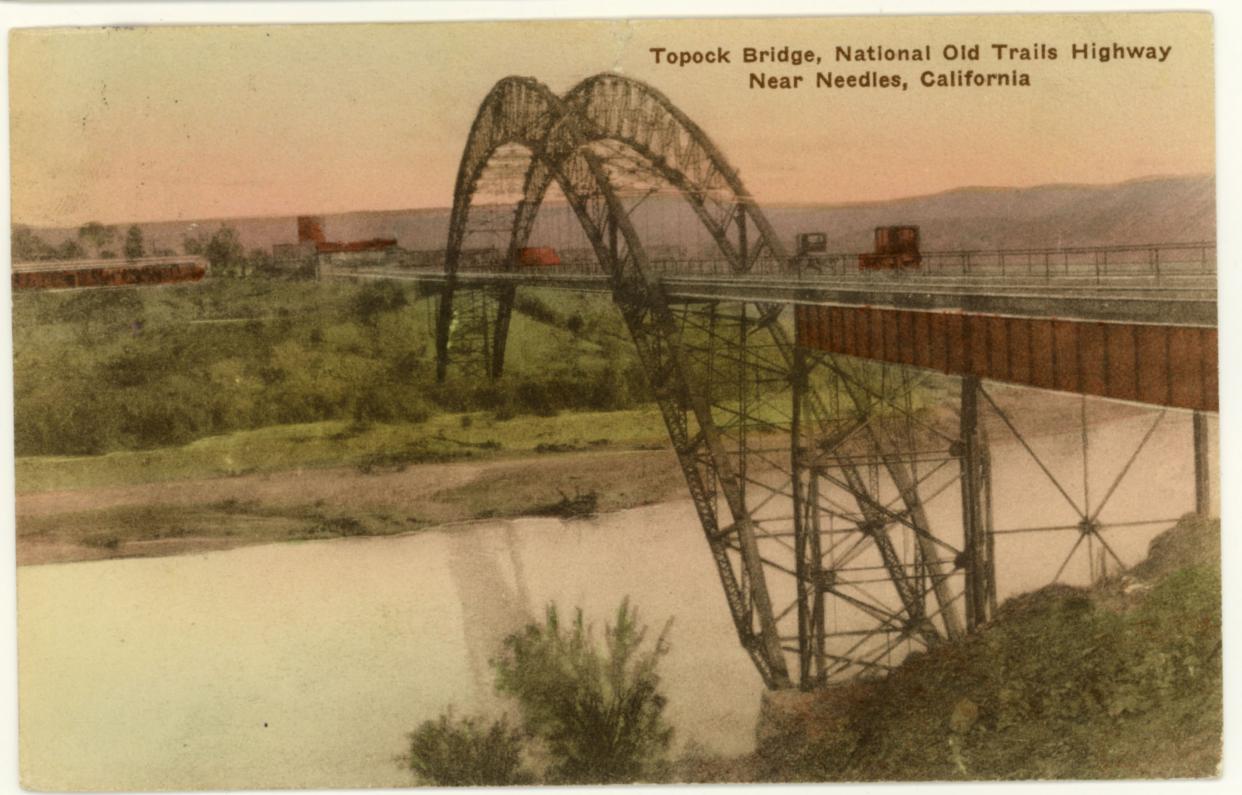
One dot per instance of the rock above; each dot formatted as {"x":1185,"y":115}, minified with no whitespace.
{"x":1130,"y":586}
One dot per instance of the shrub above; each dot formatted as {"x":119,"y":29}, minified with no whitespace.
{"x":536,"y":309}
{"x":375,"y":298}
{"x":599,"y":712}
{"x":388,"y":402}
{"x":462,"y":753}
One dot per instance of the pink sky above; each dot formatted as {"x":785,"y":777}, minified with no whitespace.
{"x":167,"y":123}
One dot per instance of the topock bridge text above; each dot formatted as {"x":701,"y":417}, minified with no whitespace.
{"x":1011,"y":58}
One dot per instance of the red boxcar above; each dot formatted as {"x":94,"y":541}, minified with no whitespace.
{"x":537,"y":257}
{"x":70,"y":274}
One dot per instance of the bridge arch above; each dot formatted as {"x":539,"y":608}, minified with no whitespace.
{"x":632,"y":113}
{"x":602,"y":108}
{"x":568,"y":139}
{"x":520,"y":110}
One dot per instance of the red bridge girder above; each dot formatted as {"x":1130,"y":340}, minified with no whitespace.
{"x":1164,"y":365}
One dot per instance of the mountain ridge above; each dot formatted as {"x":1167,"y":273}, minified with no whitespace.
{"x":1147,"y":209}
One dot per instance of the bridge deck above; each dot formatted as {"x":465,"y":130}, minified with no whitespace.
{"x":1178,"y":299}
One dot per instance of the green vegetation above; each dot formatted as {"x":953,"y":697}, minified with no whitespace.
{"x":224,"y":252}
{"x":114,"y":370}
{"x":600,"y":713}
{"x":375,"y":447}
{"x":26,"y":246}
{"x":234,"y":375}
{"x":134,"y":245}
{"x":96,"y":237}
{"x":239,"y":377}
{"x":452,"y":752}
{"x":1121,"y":681}
{"x":595,"y":714}
{"x":92,"y":241}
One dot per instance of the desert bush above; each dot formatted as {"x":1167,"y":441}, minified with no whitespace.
{"x":599,"y":712}
{"x":375,"y":298}
{"x":451,"y":752}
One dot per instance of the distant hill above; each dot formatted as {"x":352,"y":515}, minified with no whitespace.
{"x":1158,"y":209}
{"x":1150,"y":210}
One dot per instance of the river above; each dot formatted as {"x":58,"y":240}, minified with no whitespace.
{"x":305,"y":664}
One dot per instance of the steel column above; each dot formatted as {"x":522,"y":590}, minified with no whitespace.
{"x":976,"y":511}
{"x":1203,"y":476}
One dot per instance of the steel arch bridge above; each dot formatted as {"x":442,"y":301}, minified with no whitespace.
{"x":809,"y":471}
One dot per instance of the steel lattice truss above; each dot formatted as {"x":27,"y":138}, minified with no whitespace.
{"x":810,"y":473}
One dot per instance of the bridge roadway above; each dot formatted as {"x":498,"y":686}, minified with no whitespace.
{"x":1178,"y":298}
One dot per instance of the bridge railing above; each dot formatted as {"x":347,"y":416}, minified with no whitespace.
{"x":1165,"y":264}
{"x":1155,"y":261}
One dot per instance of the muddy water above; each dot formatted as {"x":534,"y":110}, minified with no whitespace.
{"x":305,"y":664}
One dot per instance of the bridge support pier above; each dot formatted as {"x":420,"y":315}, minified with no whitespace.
{"x":980,"y":586}
{"x":875,"y":579}
{"x":472,"y":329}
{"x":1203,"y":473}
{"x":444,"y":326}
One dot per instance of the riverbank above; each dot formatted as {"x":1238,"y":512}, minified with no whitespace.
{"x":335,"y":479}
{"x":1122,"y":680}
{"x":174,"y":517}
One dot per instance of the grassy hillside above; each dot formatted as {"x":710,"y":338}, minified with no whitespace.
{"x":102,"y":371}
{"x":1119,"y":681}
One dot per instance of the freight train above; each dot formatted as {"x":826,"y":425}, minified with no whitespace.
{"x":79,"y":274}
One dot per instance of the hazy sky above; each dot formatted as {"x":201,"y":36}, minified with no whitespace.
{"x":192,"y":122}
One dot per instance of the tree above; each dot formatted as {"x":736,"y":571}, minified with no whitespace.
{"x":376,"y":298}
{"x":134,"y":247}
{"x":224,"y":251}
{"x":258,"y":263}
{"x":70,"y":249}
{"x":600,"y":713}
{"x":26,"y":246}
{"x":96,"y":235}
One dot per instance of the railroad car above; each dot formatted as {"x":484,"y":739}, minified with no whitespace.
{"x":80,"y":274}
{"x":537,"y":257}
